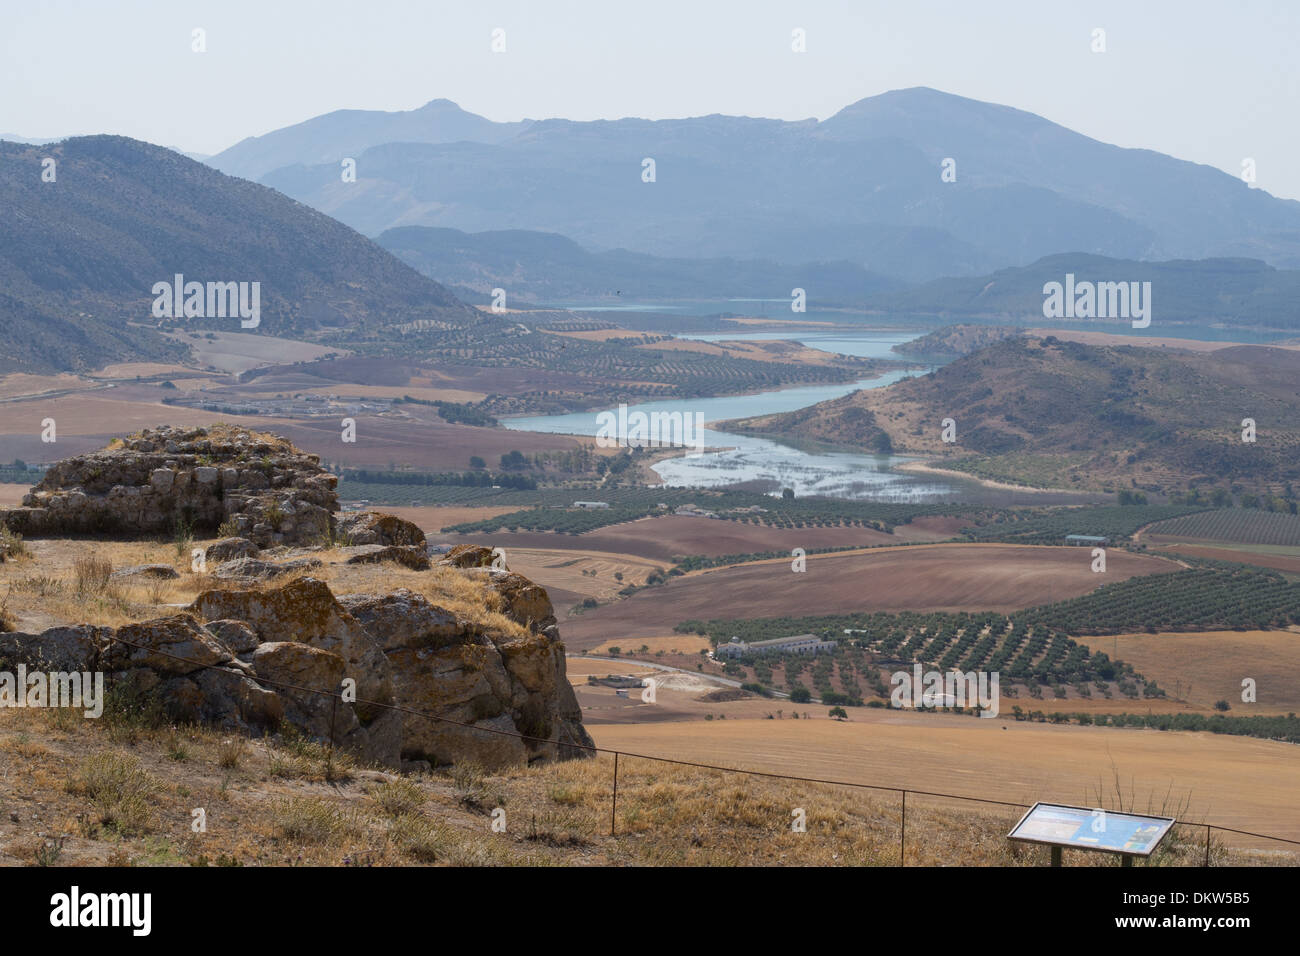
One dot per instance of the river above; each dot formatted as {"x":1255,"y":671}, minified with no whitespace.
{"x":767,"y":464}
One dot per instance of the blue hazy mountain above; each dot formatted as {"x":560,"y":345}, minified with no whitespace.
{"x":348,"y":133}
{"x":863,"y":186}
{"x":541,"y":267}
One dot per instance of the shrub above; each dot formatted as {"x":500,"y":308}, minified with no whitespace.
{"x":93,"y":574}
{"x":398,"y":797}
{"x":120,"y":788}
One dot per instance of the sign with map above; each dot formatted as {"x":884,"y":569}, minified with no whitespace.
{"x":1087,"y":829}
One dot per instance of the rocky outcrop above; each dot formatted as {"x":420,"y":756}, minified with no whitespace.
{"x":229,"y":549}
{"x":392,"y":677}
{"x":504,"y":698}
{"x":409,"y":557}
{"x":248,"y":570}
{"x":467,"y":556}
{"x":198,"y":479}
{"x":156,"y":572}
{"x":376,"y":527}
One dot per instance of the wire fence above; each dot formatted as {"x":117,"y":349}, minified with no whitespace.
{"x":573,"y":749}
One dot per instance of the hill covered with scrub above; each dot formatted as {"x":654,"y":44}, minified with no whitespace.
{"x":1052,"y":413}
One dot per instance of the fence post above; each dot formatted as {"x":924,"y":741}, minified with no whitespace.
{"x":329,"y":757}
{"x":902,"y":833}
{"x":613,"y":809}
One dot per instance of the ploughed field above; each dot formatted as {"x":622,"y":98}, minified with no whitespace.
{"x":663,"y":538}
{"x":941,"y":577}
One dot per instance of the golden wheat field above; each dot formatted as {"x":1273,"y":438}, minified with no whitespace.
{"x":1204,"y":667}
{"x":1238,"y":782}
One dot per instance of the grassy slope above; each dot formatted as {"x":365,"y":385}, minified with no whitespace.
{"x":1072,"y":415}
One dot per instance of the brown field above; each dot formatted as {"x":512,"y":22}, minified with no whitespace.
{"x":126,"y":370}
{"x":426,"y":443}
{"x":1168,"y":342}
{"x":937,"y":577}
{"x":87,"y":422}
{"x":1281,"y":559}
{"x":663,"y":538}
{"x":240,"y":351}
{"x":1024,"y":762}
{"x":20,"y":384}
{"x":782,"y":323}
{"x":561,"y":573}
{"x":688,"y":644}
{"x":1208,"y":666}
{"x":594,"y":335}
{"x":11,"y":495}
{"x":775,"y":350}
{"x":432,"y":518}
{"x":399,"y":391}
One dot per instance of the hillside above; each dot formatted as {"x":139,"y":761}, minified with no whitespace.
{"x":1062,"y":414}
{"x":79,"y":256}
{"x":752,"y":188}
{"x":1237,"y":292}
{"x":543,"y":267}
{"x":341,"y":133}
{"x":954,"y":341}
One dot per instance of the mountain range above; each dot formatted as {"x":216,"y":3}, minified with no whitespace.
{"x":541,"y":267}
{"x":80,"y":255}
{"x":1237,"y":293}
{"x":865,"y":186}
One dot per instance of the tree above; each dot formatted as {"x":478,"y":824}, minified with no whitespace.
{"x":477,"y":463}
{"x":800,"y":695}
{"x":839,"y":713}
{"x":787,"y":493}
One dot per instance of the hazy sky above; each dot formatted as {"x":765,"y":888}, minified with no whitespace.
{"x":1212,"y":82}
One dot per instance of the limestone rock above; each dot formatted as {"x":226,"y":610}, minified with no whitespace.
{"x":170,"y":645}
{"x":468,"y":556}
{"x":156,"y":572}
{"x":248,"y":570}
{"x":375,"y":527}
{"x":151,"y":483}
{"x":229,"y":549}
{"x":306,"y":611}
{"x":407,"y":556}
{"x":238,"y":636}
{"x":74,"y":648}
{"x":403,"y":618}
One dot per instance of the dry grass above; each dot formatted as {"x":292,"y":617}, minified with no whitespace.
{"x":398,"y":798}
{"x":1208,"y":666}
{"x":92,"y":574}
{"x":120,"y":789}
{"x":65,"y":583}
{"x":83,"y":800}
